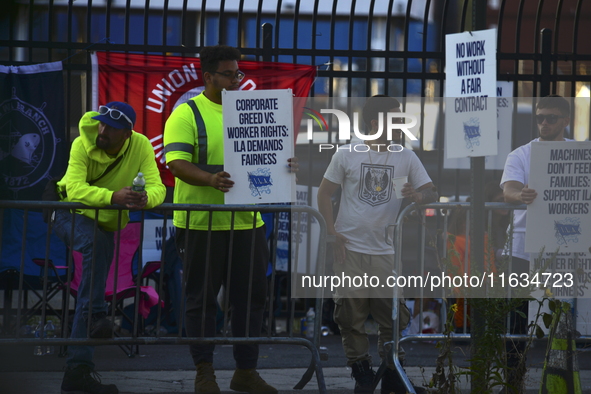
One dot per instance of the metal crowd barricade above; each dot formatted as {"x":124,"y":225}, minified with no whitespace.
{"x":17,"y":337}
{"x":441,"y":241}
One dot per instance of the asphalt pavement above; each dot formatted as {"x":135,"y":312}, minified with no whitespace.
{"x":169,"y":368}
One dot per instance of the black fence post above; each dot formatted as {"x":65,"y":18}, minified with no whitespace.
{"x":477,"y":233}
{"x":267,"y":41}
{"x":546,"y":62}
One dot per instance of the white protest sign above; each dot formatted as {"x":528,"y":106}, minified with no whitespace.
{"x":152,"y":242}
{"x":560,"y":172}
{"x":584,"y":316}
{"x":566,"y":275}
{"x":258,"y":141}
{"x":305,"y":234}
{"x":504,"y":127}
{"x":298,"y":239}
{"x":470,"y":91}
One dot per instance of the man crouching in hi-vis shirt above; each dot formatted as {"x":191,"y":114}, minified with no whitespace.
{"x":104,"y":160}
{"x":368,"y":205}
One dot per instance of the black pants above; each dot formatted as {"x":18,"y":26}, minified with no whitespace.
{"x":227,"y":252}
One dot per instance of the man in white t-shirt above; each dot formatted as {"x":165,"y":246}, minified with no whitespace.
{"x":552,"y":118}
{"x":368,"y":205}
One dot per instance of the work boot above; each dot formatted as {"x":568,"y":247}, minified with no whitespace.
{"x":100,"y":326}
{"x":205,"y":380}
{"x":393,"y":384}
{"x":83,"y":380}
{"x":249,"y":381}
{"x":364,"y":375}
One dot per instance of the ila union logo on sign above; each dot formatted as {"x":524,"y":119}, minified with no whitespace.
{"x":567,"y":231}
{"x":472,"y":133}
{"x":260,"y":182}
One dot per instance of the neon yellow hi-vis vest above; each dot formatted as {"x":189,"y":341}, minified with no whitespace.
{"x":194,"y":133}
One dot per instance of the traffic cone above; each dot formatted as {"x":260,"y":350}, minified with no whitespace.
{"x":561,"y":367}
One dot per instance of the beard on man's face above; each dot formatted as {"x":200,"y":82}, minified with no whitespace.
{"x":102,"y":142}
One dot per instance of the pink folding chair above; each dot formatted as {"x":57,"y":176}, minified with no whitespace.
{"x":123,"y":271}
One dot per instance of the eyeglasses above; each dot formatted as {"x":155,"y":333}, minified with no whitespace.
{"x":550,"y":119}
{"x":239,"y":75}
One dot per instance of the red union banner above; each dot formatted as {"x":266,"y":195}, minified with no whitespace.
{"x":155,"y":85}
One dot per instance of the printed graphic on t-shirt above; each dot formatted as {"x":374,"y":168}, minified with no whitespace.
{"x":376,"y":184}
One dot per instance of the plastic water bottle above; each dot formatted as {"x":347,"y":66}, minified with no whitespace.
{"x":139,"y":183}
{"x":310,"y":317}
{"x":49,"y":333}
{"x":38,"y":349}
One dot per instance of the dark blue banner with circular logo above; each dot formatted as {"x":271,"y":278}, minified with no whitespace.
{"x":32,"y":129}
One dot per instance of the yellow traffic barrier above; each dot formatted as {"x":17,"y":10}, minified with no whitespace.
{"x":561,"y":366}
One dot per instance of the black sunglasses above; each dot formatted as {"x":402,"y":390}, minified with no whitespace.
{"x":550,"y":119}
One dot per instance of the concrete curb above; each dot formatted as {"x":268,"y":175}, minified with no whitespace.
{"x":337,"y":380}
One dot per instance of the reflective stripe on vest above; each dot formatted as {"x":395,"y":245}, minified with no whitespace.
{"x":202,"y":133}
{"x":201,"y":141}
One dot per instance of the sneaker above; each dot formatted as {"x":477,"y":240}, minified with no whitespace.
{"x":83,"y":380}
{"x":205,"y":380}
{"x":249,"y":381}
{"x":100,"y":326}
{"x":393,"y":384}
{"x":364,"y":376}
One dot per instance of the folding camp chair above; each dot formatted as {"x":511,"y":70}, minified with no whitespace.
{"x":120,"y":281}
{"x":56,"y":285}
{"x":22,"y":261}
